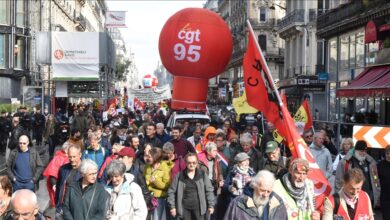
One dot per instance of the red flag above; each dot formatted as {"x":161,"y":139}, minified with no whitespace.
{"x":309,"y":123}
{"x":262,"y":96}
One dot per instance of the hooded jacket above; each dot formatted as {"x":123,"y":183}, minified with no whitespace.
{"x":200,"y":146}
{"x":129,"y":203}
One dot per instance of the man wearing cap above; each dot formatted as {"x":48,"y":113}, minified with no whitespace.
{"x":322,"y":155}
{"x":274,"y":161}
{"x":297,"y":192}
{"x":358,"y":158}
{"x":127,"y":156}
{"x":240,"y":176}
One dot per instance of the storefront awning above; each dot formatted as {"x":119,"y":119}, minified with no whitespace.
{"x":372,"y":82}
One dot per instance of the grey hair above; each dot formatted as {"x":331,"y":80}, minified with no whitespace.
{"x":160,"y":125}
{"x":168,"y":146}
{"x":116,"y":167}
{"x":246,"y":139}
{"x":87,"y":164}
{"x":25,"y":194}
{"x":210,"y":146}
{"x":263,"y":177}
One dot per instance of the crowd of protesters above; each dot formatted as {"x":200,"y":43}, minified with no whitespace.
{"x":131,"y":167}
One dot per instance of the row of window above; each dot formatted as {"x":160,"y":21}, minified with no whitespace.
{"x":18,"y":52}
{"x":5,"y":12}
{"x":353,"y":54}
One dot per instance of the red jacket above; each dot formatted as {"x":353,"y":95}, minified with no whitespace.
{"x":52,"y":170}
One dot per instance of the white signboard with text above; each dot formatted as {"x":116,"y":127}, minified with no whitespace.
{"x":153,"y":95}
{"x":75,"y":56}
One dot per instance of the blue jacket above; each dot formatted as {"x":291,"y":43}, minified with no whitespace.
{"x":99,"y":156}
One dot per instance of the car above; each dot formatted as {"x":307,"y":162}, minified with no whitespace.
{"x":192,"y":118}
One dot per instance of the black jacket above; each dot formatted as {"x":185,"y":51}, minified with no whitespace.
{"x":15,"y":134}
{"x":78,"y":201}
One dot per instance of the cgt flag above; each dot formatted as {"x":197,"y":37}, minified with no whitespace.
{"x":303,"y":117}
{"x":262,"y":96}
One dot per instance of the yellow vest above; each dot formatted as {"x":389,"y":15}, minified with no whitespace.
{"x":293,"y":212}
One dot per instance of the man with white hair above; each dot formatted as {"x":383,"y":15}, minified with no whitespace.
{"x":24,"y":205}
{"x":260,"y":202}
{"x":161,"y":134}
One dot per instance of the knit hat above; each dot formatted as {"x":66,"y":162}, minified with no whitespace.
{"x":361,"y":145}
{"x":241,"y":157}
{"x":127,"y":151}
{"x":270,"y":146}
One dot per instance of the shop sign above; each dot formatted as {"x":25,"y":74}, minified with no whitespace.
{"x":371,"y":32}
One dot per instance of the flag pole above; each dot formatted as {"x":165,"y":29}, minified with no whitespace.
{"x":265,"y":64}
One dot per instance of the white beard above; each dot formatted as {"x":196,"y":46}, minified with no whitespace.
{"x":299,"y":184}
{"x":260,"y":200}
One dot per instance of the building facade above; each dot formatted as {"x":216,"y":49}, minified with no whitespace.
{"x":263,"y":16}
{"x":15,"y":35}
{"x":62,"y":16}
{"x":300,"y":78}
{"x":356,"y":40}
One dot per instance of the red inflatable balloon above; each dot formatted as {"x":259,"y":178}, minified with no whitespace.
{"x":195,"y":44}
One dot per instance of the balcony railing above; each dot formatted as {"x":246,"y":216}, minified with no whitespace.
{"x":339,"y":14}
{"x":297,"y":15}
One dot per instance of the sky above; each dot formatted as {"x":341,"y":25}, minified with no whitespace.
{"x":144,"y":20}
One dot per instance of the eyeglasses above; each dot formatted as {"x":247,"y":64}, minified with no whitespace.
{"x":25,"y":215}
{"x":192,"y":163}
{"x":308,"y":136}
{"x":23,"y":143}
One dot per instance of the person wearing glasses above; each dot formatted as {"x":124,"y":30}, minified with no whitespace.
{"x":24,"y":205}
{"x":191,"y":194}
{"x":308,"y":137}
{"x":24,"y":166}
{"x":86,"y":199}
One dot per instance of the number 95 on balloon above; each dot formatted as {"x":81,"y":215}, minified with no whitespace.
{"x":186,"y":48}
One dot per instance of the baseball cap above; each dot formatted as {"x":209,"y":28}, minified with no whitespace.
{"x":127,"y":151}
{"x":241,"y":157}
{"x":270,"y":146}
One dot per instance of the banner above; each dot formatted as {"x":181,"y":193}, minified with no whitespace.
{"x":263,"y":96}
{"x":116,"y":19}
{"x":75,"y":56}
{"x":154,"y":95}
